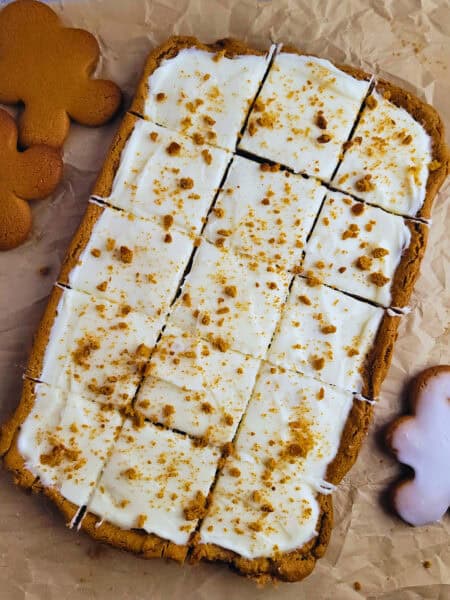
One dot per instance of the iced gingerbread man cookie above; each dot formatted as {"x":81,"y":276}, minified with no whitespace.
{"x":422,"y":441}
{"x":29,"y":175}
{"x":48,"y":67}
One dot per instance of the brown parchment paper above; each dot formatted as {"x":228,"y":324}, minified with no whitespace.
{"x":407,"y":41}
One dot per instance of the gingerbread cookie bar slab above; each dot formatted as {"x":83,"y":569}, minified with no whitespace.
{"x":238,"y":347}
{"x":304,"y":114}
{"x":204,"y":91}
{"x":153,"y":172}
{"x":365,"y":251}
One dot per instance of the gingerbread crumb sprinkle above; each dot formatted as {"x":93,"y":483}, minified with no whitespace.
{"x":196,"y":508}
{"x":371,"y":102}
{"x":357,"y":586}
{"x":126,"y":255}
{"x":364,"y":263}
{"x":318,"y":363}
{"x":186,"y":183}
{"x":140,"y":521}
{"x":328,"y":329}
{"x":173,"y":149}
{"x":160,"y":96}
{"x":324,"y":138}
{"x":358,"y":208}
{"x":167,"y":222}
{"x":305,"y":300}
{"x":379,"y":252}
{"x":207,"y":156}
{"x":230,"y":290}
{"x":364,"y":184}
{"x":378,"y":279}
{"x":320,"y":120}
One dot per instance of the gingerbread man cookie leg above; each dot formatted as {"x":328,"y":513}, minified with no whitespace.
{"x":422,"y":441}
{"x":29,"y":175}
{"x":48,"y":68}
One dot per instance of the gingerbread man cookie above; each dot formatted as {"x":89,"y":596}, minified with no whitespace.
{"x":47,"y":67}
{"x":422,"y":441}
{"x":28,"y":175}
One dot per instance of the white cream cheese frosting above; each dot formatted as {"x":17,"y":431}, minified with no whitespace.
{"x":387,"y":161}
{"x":129,"y":260}
{"x":97,"y":349}
{"x":165,"y":174}
{"x":232,"y":300}
{"x":325,"y":334}
{"x":357,"y":248}
{"x":195,"y":388}
{"x":156,"y":480}
{"x":205,"y":93}
{"x":264,"y":213}
{"x":65,"y":441}
{"x":303,"y":114}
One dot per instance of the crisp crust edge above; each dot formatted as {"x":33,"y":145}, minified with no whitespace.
{"x":408,"y":269}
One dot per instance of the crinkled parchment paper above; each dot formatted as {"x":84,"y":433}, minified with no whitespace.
{"x":407,"y":41}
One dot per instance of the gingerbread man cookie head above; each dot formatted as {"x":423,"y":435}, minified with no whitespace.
{"x":422,"y":441}
{"x":28,"y":175}
{"x":48,"y":67}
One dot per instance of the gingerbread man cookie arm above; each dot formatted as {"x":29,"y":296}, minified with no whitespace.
{"x":29,"y":175}
{"x":422,"y":441}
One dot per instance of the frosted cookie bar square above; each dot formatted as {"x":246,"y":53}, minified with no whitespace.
{"x":135,"y":262}
{"x":327,"y":335}
{"x":264,"y":213}
{"x":304,"y":114}
{"x":155,"y":480}
{"x":365,"y":251}
{"x":233,"y":301}
{"x":64,"y":441}
{"x":195,"y":388}
{"x":92,"y":347}
{"x":293,"y":420}
{"x":395,"y":158}
{"x":255,"y":516}
{"x":153,"y":172}
{"x":200,"y":90}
